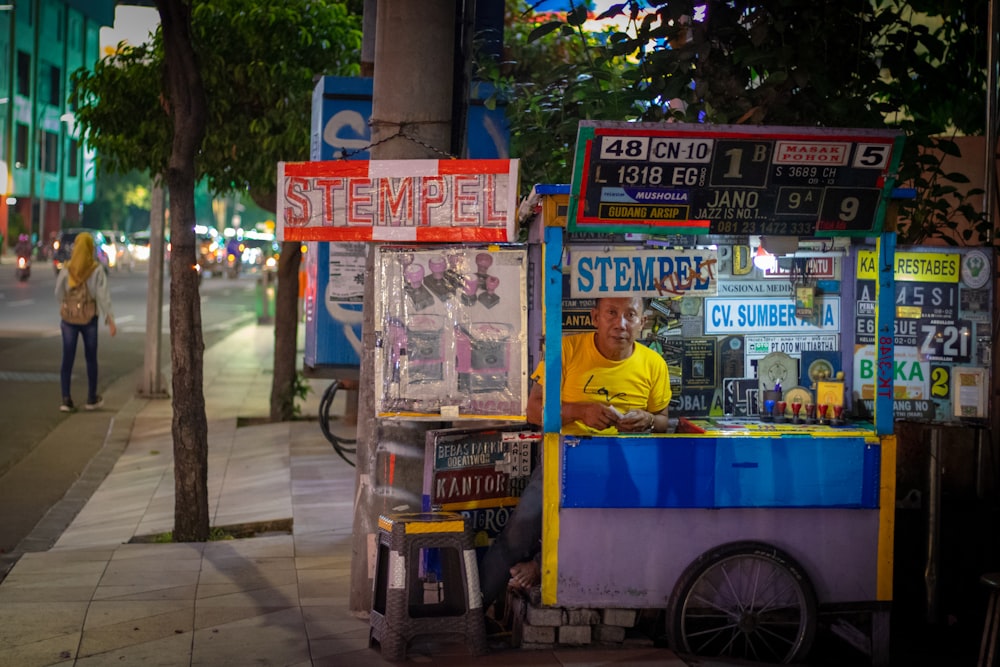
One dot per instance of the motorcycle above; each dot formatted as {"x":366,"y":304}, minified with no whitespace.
{"x":233,"y":262}
{"x":23,"y":269}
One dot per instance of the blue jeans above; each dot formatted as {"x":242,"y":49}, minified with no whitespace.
{"x":69,"y":337}
{"x":520,"y":540}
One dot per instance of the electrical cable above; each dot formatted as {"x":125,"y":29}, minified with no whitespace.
{"x":340,"y":445}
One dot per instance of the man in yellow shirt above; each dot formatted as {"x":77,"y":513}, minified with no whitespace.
{"x":610,"y":385}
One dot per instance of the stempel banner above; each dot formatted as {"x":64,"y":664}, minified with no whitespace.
{"x":398,"y":200}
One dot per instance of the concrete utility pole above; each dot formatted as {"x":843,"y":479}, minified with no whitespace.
{"x":152,"y":377}
{"x":412,"y":95}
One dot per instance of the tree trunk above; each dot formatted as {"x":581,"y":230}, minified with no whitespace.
{"x":286,"y":328}
{"x":187,"y":105}
{"x":286,"y":318}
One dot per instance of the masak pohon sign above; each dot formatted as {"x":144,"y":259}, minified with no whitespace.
{"x":678,"y":178}
{"x":398,"y":200}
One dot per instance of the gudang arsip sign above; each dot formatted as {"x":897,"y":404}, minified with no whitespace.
{"x":648,"y":273}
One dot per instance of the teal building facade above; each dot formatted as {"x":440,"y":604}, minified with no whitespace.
{"x":47,"y":174}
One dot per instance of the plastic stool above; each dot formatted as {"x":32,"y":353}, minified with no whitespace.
{"x":409,"y":598}
{"x":991,"y":627}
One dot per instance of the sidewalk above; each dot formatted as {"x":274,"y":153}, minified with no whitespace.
{"x":94,"y":599}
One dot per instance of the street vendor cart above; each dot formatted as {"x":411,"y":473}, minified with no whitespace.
{"x":756,"y":513}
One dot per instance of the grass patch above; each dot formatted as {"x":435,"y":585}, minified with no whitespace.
{"x":237,"y":531}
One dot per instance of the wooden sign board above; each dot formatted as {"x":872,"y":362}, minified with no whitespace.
{"x":470,"y":470}
{"x":676,"y":178}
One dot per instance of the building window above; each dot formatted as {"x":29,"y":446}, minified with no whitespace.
{"x":74,"y":33}
{"x":72,"y":168}
{"x":48,"y":156}
{"x":23,"y":74}
{"x":21,"y":146}
{"x":26,"y":13}
{"x":55,"y":86}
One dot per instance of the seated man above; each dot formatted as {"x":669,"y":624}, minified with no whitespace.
{"x":610,"y":385}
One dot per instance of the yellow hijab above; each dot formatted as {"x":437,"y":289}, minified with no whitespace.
{"x":83,"y":261}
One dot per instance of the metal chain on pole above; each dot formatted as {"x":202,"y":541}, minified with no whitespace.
{"x":401,"y":133}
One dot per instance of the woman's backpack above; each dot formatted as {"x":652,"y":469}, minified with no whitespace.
{"x":77,"y":306}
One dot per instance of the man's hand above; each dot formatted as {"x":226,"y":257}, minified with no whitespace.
{"x":635,"y":421}
{"x":594,"y":415}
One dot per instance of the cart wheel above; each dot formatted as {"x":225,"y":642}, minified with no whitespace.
{"x":747,"y":600}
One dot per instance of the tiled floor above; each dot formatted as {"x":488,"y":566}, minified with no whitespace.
{"x":95,"y":600}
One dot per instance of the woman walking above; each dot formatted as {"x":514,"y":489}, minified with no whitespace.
{"x":83,"y":295}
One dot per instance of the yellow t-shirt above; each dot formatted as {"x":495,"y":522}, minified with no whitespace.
{"x":641,"y":382}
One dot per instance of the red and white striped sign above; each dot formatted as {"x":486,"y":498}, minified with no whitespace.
{"x":398,"y":200}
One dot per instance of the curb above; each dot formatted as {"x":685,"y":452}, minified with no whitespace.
{"x":55,"y":521}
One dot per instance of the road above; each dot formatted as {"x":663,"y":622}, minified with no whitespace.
{"x":40,"y":457}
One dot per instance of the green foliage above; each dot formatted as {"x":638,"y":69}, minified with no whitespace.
{"x":258,"y":61}
{"x":916,"y":66}
{"x":121,"y":201}
{"x":300,"y":391}
{"x":215,"y":534}
{"x":552,"y":76}
{"x":947,"y":208}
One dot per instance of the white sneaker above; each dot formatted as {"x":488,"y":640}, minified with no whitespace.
{"x":96,"y":404}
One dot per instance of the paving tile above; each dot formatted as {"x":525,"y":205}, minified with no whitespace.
{"x":277,"y":638}
{"x":105,"y":613}
{"x":155,"y":562}
{"x":213,"y":617}
{"x":276,"y":546}
{"x":168,"y":550}
{"x":24,"y":623}
{"x":66,"y":592}
{"x":153,"y":578}
{"x":326,"y":621}
{"x":252,"y":579}
{"x":322,"y":562}
{"x":172,"y":651}
{"x":145,"y":592}
{"x":355,"y":642}
{"x":149,"y":621}
{"x":46,"y":560}
{"x":56,"y":650}
{"x":31,"y":566}
{"x":277,"y":596}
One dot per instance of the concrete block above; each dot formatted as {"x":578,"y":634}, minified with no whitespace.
{"x":582,"y":617}
{"x":611,"y":634}
{"x":623,"y":617}
{"x":536,"y":647}
{"x":635,"y":639}
{"x":551,"y":616}
{"x":575,"y":635}
{"x":533,"y":634}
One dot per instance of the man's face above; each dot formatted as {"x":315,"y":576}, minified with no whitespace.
{"x":618,"y":321}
